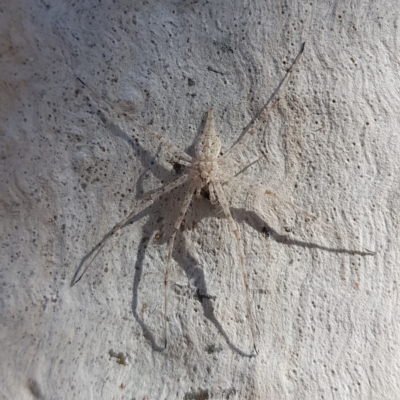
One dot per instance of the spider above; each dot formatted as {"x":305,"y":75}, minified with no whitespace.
{"x":207,"y":171}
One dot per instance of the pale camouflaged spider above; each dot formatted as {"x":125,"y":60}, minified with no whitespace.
{"x":207,"y":171}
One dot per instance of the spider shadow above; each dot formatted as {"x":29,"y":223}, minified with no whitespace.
{"x":187,"y":263}
{"x":253,"y":220}
{"x":194,"y":274}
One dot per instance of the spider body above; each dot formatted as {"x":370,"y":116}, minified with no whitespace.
{"x":205,"y":169}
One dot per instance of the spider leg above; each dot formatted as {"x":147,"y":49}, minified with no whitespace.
{"x":239,"y":167}
{"x":263,"y":113}
{"x":180,"y":162}
{"x":178,"y":222}
{"x":170,"y":148}
{"x":235,"y":232}
{"x":262,"y":191}
{"x":144,"y":203}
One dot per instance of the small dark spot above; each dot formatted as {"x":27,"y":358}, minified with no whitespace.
{"x":199,"y":395}
{"x":212,"y":348}
{"x":214,"y":70}
{"x":205,"y":193}
{"x":191,"y":82}
{"x":199,"y":296}
{"x":177,"y":168}
{"x":228,"y":392}
{"x":266,"y":232}
{"x":120,"y":357}
{"x":34,"y":388}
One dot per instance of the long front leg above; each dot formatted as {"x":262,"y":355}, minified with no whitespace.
{"x":178,"y":222}
{"x":263,"y":113}
{"x":235,"y":231}
{"x":170,"y":148}
{"x":139,"y":207}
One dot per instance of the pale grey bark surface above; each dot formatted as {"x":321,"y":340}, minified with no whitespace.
{"x":327,"y":320}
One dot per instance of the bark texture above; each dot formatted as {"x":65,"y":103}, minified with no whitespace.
{"x":327,"y":320}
